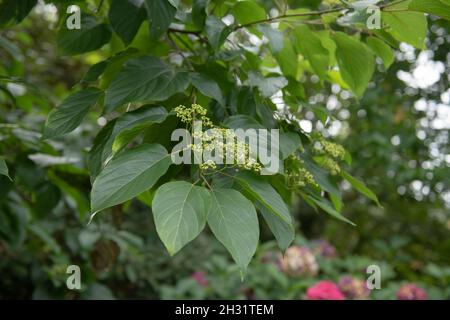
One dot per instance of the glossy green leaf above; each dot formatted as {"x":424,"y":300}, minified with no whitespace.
{"x":406,"y":26}
{"x":160,"y":15}
{"x":128,"y":175}
{"x":180,"y":210}
{"x":144,"y":79}
{"x":360,"y":187}
{"x":4,"y":168}
{"x":217,"y":31}
{"x":125,"y":17}
{"x":276,"y":212}
{"x":248,"y":11}
{"x":207,"y":86}
{"x":71,"y":112}
{"x":356,"y":62}
{"x":440,"y":8}
{"x":326,"y":206}
{"x":275,"y":36}
{"x":130,"y":124}
{"x":382,"y":50}
{"x":91,"y":36}
{"x":268,"y":86}
{"x":310,"y":46}
{"x":289,"y":142}
{"x":234,"y":222}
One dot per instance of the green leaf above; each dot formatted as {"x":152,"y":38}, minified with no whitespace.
{"x":276,"y":37}
{"x":356,"y":62}
{"x":130,"y":124}
{"x":409,"y":27}
{"x":4,"y":168}
{"x":199,"y":12}
{"x":440,"y":8}
{"x":328,"y":208}
{"x":234,"y":222}
{"x":289,"y":142}
{"x":71,"y":112}
{"x":217,"y":31}
{"x":248,"y":11}
{"x":160,"y":14}
{"x":360,"y":187}
{"x":128,"y":175}
{"x":310,"y":46}
{"x":207,"y":86}
{"x":287,"y":59}
{"x":381,"y":49}
{"x":267,"y":86}
{"x":11,"y":48}
{"x":125,"y":17}
{"x":272,"y":207}
{"x":180,"y":210}
{"x":144,"y":79}
{"x":90,"y":37}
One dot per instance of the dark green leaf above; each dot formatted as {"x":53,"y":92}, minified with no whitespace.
{"x":71,"y":112}
{"x":128,"y":175}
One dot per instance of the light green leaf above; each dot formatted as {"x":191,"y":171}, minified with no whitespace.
{"x":381,"y":49}
{"x":440,"y":8}
{"x":326,"y":206}
{"x":234,"y":222}
{"x":160,"y":14}
{"x":248,"y":11}
{"x":129,"y":174}
{"x":409,"y":27}
{"x":217,"y":31}
{"x":267,"y":86}
{"x":272,"y":207}
{"x":356,"y":62}
{"x":287,"y":59}
{"x":360,"y":187}
{"x":276,"y":37}
{"x":71,"y":112}
{"x":4,"y":168}
{"x":90,"y":37}
{"x":144,"y":79}
{"x":310,"y":46}
{"x":125,"y":17}
{"x":180,"y":210}
{"x":207,"y":86}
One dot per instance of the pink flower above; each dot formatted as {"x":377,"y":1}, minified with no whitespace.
{"x":353,"y":288}
{"x":411,"y":292}
{"x":323,"y":248}
{"x":324,"y":290}
{"x":200,"y":278}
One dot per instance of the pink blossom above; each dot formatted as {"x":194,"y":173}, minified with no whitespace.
{"x":411,"y":292}
{"x":324,"y":290}
{"x":200,"y":278}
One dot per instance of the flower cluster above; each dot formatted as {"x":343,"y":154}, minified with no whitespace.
{"x":331,"y":165}
{"x":323,"y":248}
{"x":334,"y":150}
{"x":324,"y":290}
{"x":411,"y":292}
{"x":219,"y":140}
{"x":353,"y":288}
{"x":298,"y":261}
{"x":196,"y":111}
{"x":297,"y":175}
